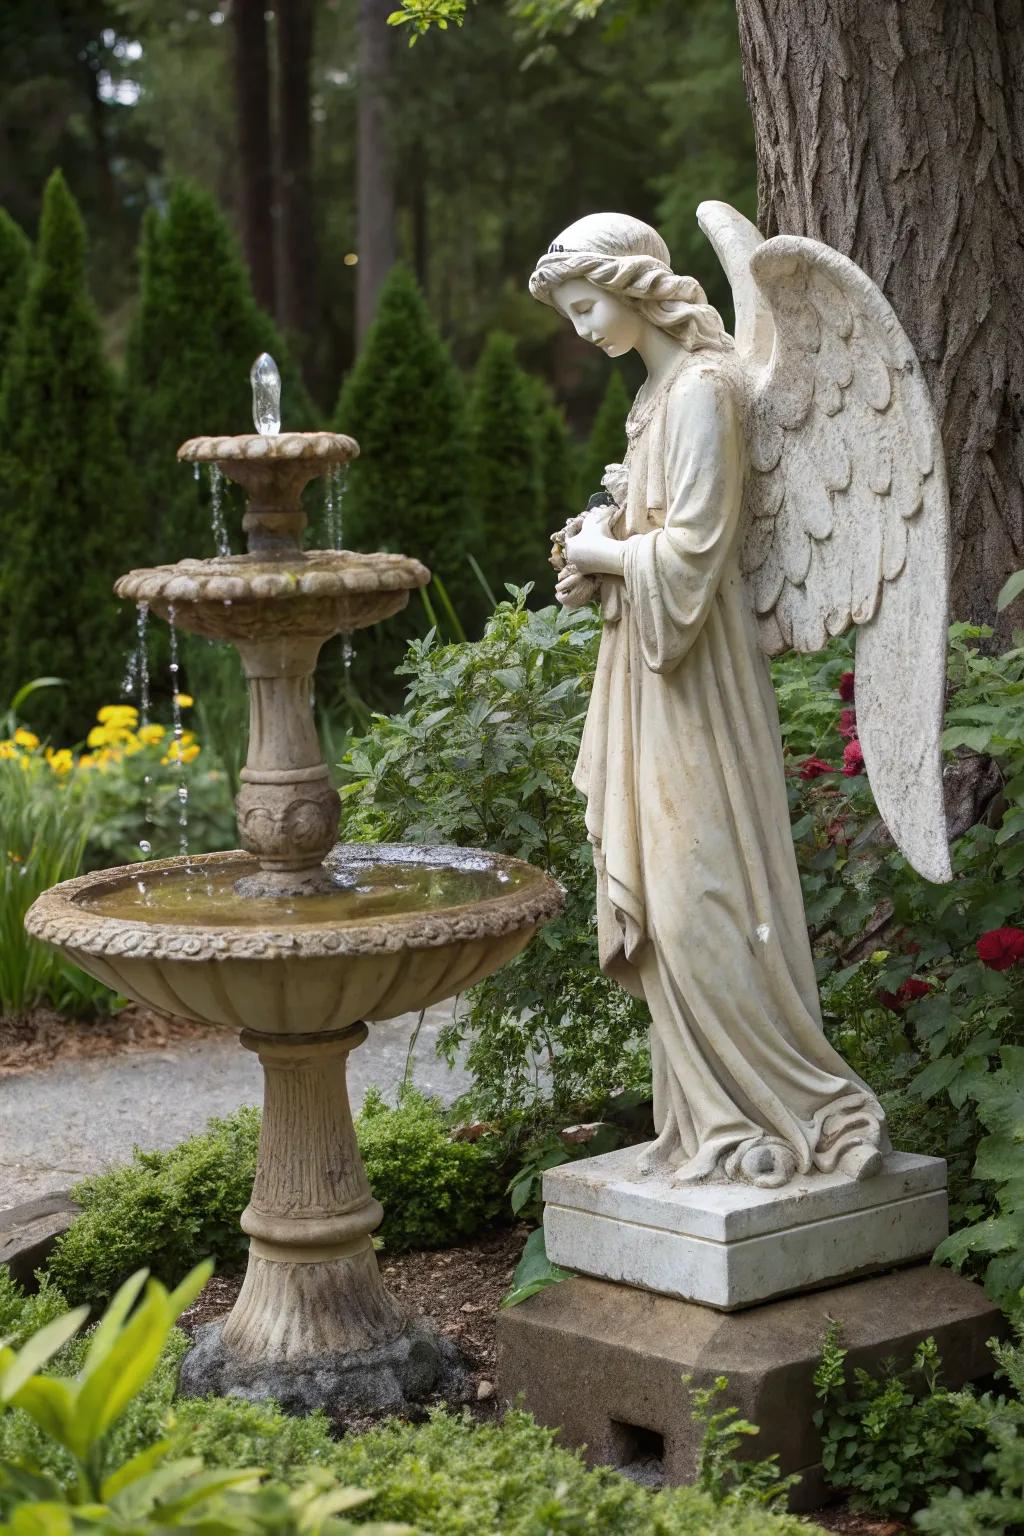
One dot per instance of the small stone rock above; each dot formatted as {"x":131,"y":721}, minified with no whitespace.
{"x":484,"y":1390}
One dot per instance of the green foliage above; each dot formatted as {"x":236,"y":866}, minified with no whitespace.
{"x":196,"y":333}
{"x":607,"y":441}
{"x":534,"y":1272}
{"x":505,"y":481}
{"x":482,"y":755}
{"x":15,"y":262}
{"x":78,"y":1415}
{"x":454,"y":1478}
{"x":946,"y":1052}
{"x":556,"y":461}
{"x":22,"y":1313}
{"x":407,"y":491}
{"x":728,"y":1478}
{"x":164,"y":1210}
{"x":435,"y":1191}
{"x":67,"y":493}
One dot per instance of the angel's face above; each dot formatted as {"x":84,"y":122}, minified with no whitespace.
{"x":598,"y":316}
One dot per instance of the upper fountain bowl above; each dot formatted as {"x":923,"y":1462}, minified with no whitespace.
{"x":402,"y":928}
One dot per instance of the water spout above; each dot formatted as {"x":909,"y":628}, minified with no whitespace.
{"x":266,"y":395}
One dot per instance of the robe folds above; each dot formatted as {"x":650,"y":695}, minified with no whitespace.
{"x":699,"y":903}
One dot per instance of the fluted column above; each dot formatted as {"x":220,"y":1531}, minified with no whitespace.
{"x":312,"y":1285}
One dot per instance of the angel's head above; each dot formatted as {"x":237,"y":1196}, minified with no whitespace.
{"x":610,"y":275}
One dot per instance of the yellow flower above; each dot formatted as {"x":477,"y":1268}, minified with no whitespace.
{"x":86,"y":760}
{"x":181,"y":752}
{"x":184,"y":700}
{"x":149,"y":735}
{"x":118,"y":715}
{"x":61,"y":761}
{"x":27,"y":739}
{"x":8,"y":749}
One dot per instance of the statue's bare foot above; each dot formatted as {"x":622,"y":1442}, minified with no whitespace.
{"x":659,"y":1156}
{"x":766,"y":1164}
{"x":861,"y":1161}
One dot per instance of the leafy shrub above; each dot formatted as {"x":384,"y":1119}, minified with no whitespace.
{"x":22,"y":1313}
{"x":435,"y":1191}
{"x":457,"y":1478}
{"x":79,"y":1417}
{"x":483,"y":754}
{"x":903,"y":1443}
{"x":164,"y":1210}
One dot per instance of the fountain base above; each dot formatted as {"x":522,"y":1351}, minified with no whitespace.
{"x":391,"y":1378}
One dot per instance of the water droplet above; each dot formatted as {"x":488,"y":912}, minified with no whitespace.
{"x":266,"y":395}
{"x":183,"y":793}
{"x":145,"y":846}
{"x":196,"y":471}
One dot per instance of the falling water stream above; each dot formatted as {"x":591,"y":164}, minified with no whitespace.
{"x":217,"y":519}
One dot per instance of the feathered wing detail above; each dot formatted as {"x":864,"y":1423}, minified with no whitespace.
{"x":847,"y":511}
{"x":735,"y":240}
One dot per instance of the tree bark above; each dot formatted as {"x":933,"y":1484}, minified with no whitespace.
{"x":297,"y":308}
{"x":375,"y":192}
{"x":895,"y":133}
{"x":255,"y":154}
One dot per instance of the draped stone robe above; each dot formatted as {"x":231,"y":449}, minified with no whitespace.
{"x":699,"y":903}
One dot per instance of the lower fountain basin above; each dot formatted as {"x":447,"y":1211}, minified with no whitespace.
{"x":404,"y":927}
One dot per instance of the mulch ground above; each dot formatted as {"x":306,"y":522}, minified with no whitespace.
{"x":41,"y":1038}
{"x":459,"y":1291}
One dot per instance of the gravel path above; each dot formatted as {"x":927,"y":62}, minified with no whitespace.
{"x":79,"y":1117}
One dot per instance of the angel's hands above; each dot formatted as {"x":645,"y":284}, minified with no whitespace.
{"x":573,"y":589}
{"x":593,"y":551}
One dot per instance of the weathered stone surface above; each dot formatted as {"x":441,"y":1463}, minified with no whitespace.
{"x":28,"y":1233}
{"x":389,"y":1378}
{"x":728,"y":1245}
{"x":605,"y":1362}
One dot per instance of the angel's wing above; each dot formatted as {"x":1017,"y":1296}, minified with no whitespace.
{"x":847,"y":512}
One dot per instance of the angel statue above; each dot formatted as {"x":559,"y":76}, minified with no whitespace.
{"x":778,"y":487}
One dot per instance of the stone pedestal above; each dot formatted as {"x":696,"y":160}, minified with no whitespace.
{"x":730,"y":1245}
{"x":605,"y":1362}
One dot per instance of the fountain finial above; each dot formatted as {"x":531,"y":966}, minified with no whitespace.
{"x":266,"y":395}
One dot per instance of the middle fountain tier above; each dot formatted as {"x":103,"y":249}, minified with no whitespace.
{"x":298,"y":943}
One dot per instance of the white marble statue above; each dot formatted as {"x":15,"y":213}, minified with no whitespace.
{"x":778,"y":487}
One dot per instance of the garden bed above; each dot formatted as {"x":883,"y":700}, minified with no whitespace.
{"x":31,"y":1041}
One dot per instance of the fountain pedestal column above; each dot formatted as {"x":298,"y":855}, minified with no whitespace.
{"x":312,"y":1282}
{"x":313,"y":1325}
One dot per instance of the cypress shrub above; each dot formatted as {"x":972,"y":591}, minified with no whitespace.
{"x":505,"y":477}
{"x":407,"y":492}
{"x":196,"y":333}
{"x":69,"y":503}
{"x":15,"y":260}
{"x":607,"y":441}
{"x":557,"y":468}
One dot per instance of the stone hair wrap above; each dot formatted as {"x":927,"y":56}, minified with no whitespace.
{"x":631,"y":260}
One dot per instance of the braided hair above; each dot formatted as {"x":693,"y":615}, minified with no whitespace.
{"x":630,"y":259}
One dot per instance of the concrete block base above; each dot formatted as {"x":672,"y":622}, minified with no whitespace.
{"x":605,"y":1362}
{"x":730,"y":1245}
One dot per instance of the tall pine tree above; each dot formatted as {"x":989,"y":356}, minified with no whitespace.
{"x":607,"y":441}
{"x":556,"y":463}
{"x":70,"y":510}
{"x":505,"y":475}
{"x":15,"y":260}
{"x":196,"y":333}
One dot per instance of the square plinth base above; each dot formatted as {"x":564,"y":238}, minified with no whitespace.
{"x":605,"y":1363}
{"x":731,"y":1245}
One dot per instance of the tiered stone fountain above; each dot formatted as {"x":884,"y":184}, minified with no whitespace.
{"x":297,"y":943}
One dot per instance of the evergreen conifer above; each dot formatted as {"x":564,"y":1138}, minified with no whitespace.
{"x":556,"y":461}
{"x":69,"y":503}
{"x":15,"y":260}
{"x":505,"y":475}
{"x":607,"y":441}
{"x":196,"y":334}
{"x":407,"y":492}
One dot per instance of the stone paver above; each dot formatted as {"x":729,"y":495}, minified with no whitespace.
{"x":82,"y":1116}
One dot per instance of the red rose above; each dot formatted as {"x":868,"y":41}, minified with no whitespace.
{"x":846,"y":687}
{"x":814,"y":767}
{"x":909,"y":991}
{"x":848,"y":723}
{"x":1001,"y":947}
{"x":853,"y":759}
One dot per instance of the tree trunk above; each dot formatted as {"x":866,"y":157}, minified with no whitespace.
{"x":375,"y":193}
{"x":297,"y":309}
{"x":255,"y":155}
{"x":895,"y":133}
